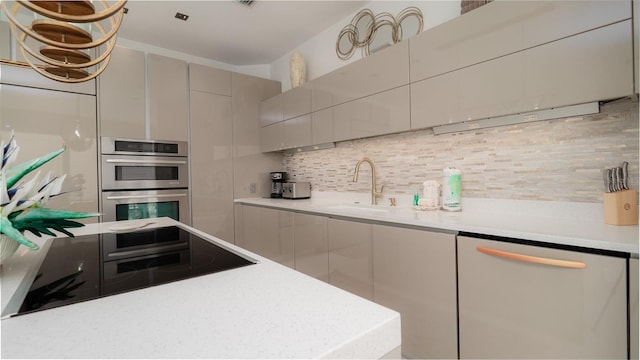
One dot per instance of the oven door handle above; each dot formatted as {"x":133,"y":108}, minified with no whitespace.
{"x":124,"y":197}
{"x":132,"y":161}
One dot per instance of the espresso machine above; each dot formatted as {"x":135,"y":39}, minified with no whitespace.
{"x":278,"y":178}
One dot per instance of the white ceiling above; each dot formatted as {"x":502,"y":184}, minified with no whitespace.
{"x":229,"y":32}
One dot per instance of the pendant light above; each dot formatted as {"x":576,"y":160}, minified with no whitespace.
{"x":64,"y":32}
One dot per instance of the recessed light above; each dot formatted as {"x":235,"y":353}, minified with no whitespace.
{"x":182,"y":16}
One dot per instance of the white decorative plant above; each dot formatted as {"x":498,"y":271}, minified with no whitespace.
{"x":22,"y":202}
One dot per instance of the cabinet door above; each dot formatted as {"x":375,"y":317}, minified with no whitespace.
{"x":322,"y":126}
{"x":272,"y":137}
{"x":414,"y":273}
{"x":509,"y":308}
{"x":271,"y":110}
{"x":296,"y":102}
{"x":210,"y":80}
{"x":384,"y":70}
{"x":593,"y":66}
{"x":311,"y":245}
{"x":383,"y":113}
{"x":168,"y":105}
{"x":44,"y":121}
{"x":268,"y":232}
{"x":251,"y":167}
{"x":350,"y":257}
{"x":211,"y":164}
{"x":297,"y":132}
{"x":122,"y":95}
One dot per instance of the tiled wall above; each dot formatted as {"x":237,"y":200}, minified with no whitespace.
{"x":558,"y":160}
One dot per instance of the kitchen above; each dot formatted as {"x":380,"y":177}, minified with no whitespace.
{"x":506,"y":170}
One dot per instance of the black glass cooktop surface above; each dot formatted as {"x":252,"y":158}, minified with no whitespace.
{"x":93,"y":266}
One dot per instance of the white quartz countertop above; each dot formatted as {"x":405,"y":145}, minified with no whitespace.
{"x":258,"y":311}
{"x":572,"y":224}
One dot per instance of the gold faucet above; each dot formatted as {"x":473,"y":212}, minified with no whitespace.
{"x":374,"y":193}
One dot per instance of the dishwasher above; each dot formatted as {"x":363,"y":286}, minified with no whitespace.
{"x":519,"y":299}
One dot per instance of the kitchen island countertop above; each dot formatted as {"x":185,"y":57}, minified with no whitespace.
{"x":577,"y":225}
{"x":258,"y":311}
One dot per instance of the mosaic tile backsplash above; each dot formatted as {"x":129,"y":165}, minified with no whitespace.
{"x":553,"y":160}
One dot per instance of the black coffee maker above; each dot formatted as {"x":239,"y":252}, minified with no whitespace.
{"x":277,"y":179}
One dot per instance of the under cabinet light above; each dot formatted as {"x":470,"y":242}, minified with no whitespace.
{"x":554,"y":113}
{"x":310,"y":148}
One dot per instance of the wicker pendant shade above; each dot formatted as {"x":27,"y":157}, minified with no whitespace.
{"x":60,"y":43}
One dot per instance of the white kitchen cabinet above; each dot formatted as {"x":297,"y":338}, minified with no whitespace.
{"x":591,"y":66}
{"x":414,"y":273}
{"x":168,"y":105}
{"x":122,"y":95}
{"x":44,"y":121}
{"x":271,"y":110}
{"x":384,"y":70}
{"x":633,"y":308}
{"x":322,"y":126}
{"x":351,"y":257}
{"x":511,"y":308}
{"x":272,"y":137}
{"x":211,"y":164}
{"x":378,"y":114}
{"x":296,"y":102}
{"x":250,"y":166}
{"x":269,"y":233}
{"x":209,"y":80}
{"x":505,"y":27}
{"x":297,"y":132}
{"x":311,"y":246}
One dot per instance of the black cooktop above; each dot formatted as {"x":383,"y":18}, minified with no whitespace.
{"x":93,"y":266}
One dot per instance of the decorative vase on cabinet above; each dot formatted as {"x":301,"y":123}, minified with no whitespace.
{"x":297,"y":69}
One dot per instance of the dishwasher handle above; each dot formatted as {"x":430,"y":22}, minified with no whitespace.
{"x":532,"y":259}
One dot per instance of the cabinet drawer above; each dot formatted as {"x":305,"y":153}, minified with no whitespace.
{"x":510,"y":308}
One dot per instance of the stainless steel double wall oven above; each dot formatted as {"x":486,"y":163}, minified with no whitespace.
{"x":144,"y":179}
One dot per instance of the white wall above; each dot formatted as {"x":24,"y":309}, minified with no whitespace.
{"x":319,"y":52}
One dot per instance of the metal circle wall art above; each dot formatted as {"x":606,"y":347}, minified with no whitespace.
{"x":371,"y":32}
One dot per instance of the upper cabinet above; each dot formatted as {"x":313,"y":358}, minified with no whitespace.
{"x":271,"y":110}
{"x":505,"y":27}
{"x":504,"y":58}
{"x":133,"y":105}
{"x":210,"y":80}
{"x":168,"y":94}
{"x":122,"y":95}
{"x":384,"y":70}
{"x":591,"y":66}
{"x":296,"y":102}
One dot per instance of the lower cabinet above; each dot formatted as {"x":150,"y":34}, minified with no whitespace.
{"x":414,"y":273}
{"x":311,"y":247}
{"x":268,"y":232}
{"x":351,"y":257}
{"x":512,"y":308}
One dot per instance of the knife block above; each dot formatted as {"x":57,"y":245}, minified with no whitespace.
{"x":621,"y":207}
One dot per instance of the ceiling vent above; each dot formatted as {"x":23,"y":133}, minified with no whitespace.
{"x":246,"y":2}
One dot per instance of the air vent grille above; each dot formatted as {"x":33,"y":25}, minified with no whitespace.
{"x":246,"y":2}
